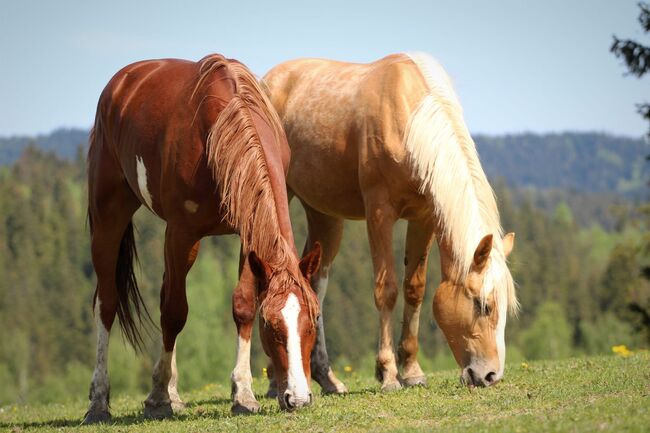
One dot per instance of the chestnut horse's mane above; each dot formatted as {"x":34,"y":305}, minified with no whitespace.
{"x":240,"y":169}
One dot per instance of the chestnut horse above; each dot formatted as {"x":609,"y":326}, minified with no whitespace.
{"x":383,"y":141}
{"x":199,"y":144}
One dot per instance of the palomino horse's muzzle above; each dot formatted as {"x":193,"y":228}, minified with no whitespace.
{"x":474,"y":376}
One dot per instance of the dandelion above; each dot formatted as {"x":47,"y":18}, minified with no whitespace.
{"x":524,"y":365}
{"x":347,"y":369}
{"x":264,"y":372}
{"x":622,"y":350}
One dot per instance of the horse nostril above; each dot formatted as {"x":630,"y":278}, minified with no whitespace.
{"x":311,"y":398}
{"x":287,"y":400}
{"x":472,"y":378}
{"x":490,"y":378}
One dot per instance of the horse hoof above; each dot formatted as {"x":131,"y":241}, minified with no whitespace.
{"x":95,"y":417}
{"x":271,"y":393}
{"x":245,"y":408}
{"x":414,"y":381}
{"x":158,"y":411}
{"x":391,"y":386}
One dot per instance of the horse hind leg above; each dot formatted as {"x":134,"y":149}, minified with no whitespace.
{"x":419,"y":237}
{"x":180,"y":253}
{"x":111,"y":207}
{"x":328,"y":231}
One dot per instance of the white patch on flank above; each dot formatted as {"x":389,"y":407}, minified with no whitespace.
{"x":191,"y":206}
{"x":297,"y":382}
{"x":100,"y":375}
{"x":142,"y":182}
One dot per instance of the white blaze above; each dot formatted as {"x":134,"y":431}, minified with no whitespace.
{"x":297,"y":382}
{"x":493,"y":276}
{"x":142,"y":182}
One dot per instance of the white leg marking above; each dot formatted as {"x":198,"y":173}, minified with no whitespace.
{"x":172,"y":388}
{"x":142,"y":182}
{"x":100,"y":384}
{"x":241,"y":375}
{"x":297,"y":382}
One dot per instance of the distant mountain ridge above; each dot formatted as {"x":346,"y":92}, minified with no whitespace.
{"x":576,"y":161}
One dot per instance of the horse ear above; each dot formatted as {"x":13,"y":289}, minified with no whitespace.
{"x":310,"y":263}
{"x":508,"y":243}
{"x":483,"y":250}
{"x":260,"y":269}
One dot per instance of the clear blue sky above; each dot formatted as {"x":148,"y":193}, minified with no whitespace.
{"x":541,"y":65}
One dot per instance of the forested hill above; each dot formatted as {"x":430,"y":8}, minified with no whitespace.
{"x":583,"y":162}
{"x":586,"y":162}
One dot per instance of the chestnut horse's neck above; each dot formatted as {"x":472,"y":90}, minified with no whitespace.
{"x":248,"y":155}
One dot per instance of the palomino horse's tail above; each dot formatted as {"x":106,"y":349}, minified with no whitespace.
{"x":130,"y":305}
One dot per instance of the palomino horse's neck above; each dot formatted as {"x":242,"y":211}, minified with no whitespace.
{"x":445,"y":160}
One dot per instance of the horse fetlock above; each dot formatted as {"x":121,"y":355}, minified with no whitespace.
{"x":329,"y":383}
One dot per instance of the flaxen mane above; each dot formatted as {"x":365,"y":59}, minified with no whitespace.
{"x":444,"y":157}
{"x":239,"y":167}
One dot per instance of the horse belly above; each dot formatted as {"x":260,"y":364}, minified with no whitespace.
{"x":327,"y":181}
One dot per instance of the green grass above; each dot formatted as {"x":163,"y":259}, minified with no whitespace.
{"x":607,"y":393}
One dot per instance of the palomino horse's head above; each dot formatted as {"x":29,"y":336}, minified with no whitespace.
{"x":472,"y":313}
{"x":289,"y":312}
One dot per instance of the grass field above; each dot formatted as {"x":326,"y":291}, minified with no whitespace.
{"x":609,"y":393}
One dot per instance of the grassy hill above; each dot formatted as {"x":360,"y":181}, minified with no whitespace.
{"x":608,"y":393}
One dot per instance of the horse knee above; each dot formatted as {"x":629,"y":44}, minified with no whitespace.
{"x":385,"y":296}
{"x":243,"y":308}
{"x":413,"y":293}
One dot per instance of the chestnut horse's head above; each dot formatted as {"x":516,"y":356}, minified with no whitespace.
{"x":288,"y":315}
{"x":472,"y":313}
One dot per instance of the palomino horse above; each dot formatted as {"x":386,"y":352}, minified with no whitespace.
{"x":200,"y":145}
{"x":384,"y":141}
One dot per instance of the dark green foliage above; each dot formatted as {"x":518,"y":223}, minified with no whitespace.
{"x":635,"y":54}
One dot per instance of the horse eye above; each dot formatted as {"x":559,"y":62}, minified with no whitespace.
{"x":481,"y":310}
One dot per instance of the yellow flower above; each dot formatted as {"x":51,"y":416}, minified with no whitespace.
{"x":347,"y":369}
{"x":264,"y":372}
{"x":622,"y":350}
{"x":524,"y":365}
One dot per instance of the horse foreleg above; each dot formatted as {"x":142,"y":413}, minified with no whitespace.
{"x":243,"y":309}
{"x":180,"y":254}
{"x":419,"y":237}
{"x":380,"y":219}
